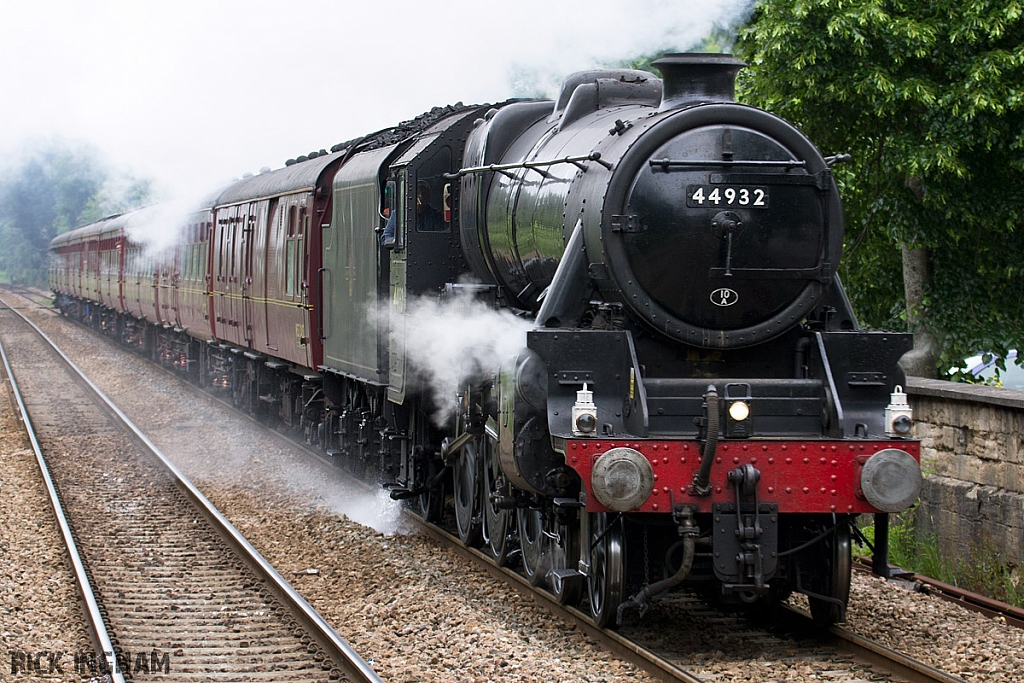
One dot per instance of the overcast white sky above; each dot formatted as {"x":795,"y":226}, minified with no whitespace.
{"x":193,"y":93}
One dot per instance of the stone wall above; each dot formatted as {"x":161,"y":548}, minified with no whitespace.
{"x":972,"y":454}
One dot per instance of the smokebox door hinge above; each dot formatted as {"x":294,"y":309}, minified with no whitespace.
{"x":622,"y":223}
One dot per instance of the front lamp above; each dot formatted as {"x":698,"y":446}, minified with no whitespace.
{"x":738,"y":422}
{"x":739,"y":411}
{"x":899,"y":416}
{"x":586,"y":423}
{"x":901,"y":425}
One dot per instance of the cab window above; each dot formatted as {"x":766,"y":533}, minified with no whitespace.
{"x":431,"y":215}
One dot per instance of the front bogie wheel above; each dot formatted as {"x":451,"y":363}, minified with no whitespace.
{"x":566,"y":580}
{"x":832,"y":578}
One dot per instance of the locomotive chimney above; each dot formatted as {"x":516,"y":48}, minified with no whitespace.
{"x":694,"y":78}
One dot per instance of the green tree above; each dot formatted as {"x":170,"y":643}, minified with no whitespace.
{"x":928,"y":97}
{"x":51,"y":189}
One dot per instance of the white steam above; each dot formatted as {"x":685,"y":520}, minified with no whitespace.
{"x":610,"y":33}
{"x":374,"y":509}
{"x":453,"y":341}
{"x":159,"y":228}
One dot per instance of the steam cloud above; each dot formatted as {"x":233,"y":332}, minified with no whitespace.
{"x":450,"y":342}
{"x":374,"y":509}
{"x":160,"y":228}
{"x":610,"y":33}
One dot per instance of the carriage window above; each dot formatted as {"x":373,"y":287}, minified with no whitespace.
{"x":298,"y":266}
{"x":224,"y":249}
{"x":289,"y":269}
{"x":231,"y":249}
{"x":291,"y":220}
{"x":202,"y":262}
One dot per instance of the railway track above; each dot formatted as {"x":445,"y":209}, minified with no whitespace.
{"x":170,"y":586}
{"x":712,"y":643}
{"x":976,"y":602}
{"x":688,"y":630}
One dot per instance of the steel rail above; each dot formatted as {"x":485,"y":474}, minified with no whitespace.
{"x":636,"y":654}
{"x":895,"y":662}
{"x":323,"y":633}
{"x":970,"y":600}
{"x":869,"y":651}
{"x":96,"y":624}
{"x":976,"y":602}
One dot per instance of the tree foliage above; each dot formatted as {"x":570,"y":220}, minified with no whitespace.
{"x":928,"y":97}
{"x":51,"y":189}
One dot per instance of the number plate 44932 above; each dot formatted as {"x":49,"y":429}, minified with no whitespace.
{"x":713,"y":196}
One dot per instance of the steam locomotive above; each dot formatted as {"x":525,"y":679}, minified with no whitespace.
{"x":695,"y":405}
